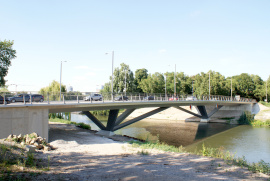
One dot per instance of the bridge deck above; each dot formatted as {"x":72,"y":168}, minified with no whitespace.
{"x":72,"y":106}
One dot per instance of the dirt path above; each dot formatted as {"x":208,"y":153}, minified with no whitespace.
{"x":83,"y":155}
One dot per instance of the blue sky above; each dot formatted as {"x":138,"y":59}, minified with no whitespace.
{"x":230,"y":37}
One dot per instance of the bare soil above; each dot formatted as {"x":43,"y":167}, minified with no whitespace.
{"x":83,"y":155}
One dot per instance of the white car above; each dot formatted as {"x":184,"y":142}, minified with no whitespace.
{"x":93,"y":97}
{"x":191,"y":98}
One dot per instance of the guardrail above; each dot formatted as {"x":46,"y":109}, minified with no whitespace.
{"x":80,"y":97}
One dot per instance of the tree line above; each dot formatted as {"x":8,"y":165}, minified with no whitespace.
{"x":245,"y":85}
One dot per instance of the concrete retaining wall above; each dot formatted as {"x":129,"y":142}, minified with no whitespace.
{"x":23,"y":121}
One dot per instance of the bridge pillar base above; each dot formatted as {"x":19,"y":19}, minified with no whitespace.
{"x":105,"y":133}
{"x":205,"y":120}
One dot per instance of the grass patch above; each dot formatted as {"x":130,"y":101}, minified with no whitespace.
{"x":265,"y":103}
{"x":81,"y":125}
{"x":259,"y":123}
{"x":230,"y":158}
{"x":17,"y":164}
{"x":157,"y":145}
{"x":143,"y":152}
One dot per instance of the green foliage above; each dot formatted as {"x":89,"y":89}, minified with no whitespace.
{"x":54,"y":91}
{"x":6,"y":55}
{"x":154,"y":83}
{"x":140,"y":74}
{"x":157,"y":145}
{"x":14,"y":157}
{"x":246,"y":118}
{"x":143,"y":152}
{"x":261,"y":166}
{"x":81,"y":125}
{"x":65,"y":115}
{"x":259,"y":123}
{"x":267,"y":104}
{"x":245,"y":85}
{"x":101,"y":112}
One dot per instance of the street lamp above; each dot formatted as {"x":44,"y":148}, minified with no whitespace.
{"x":266,"y":92}
{"x":209,"y":85}
{"x":112,"y":71}
{"x":231,"y":88}
{"x":125,"y":83}
{"x":61,"y":77}
{"x":15,"y":85}
{"x":174,"y":82}
{"x":165,"y":87}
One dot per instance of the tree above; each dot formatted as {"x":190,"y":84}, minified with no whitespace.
{"x":140,"y":74}
{"x":154,"y":83}
{"x":245,"y":86}
{"x":6,"y":55}
{"x":54,"y":90}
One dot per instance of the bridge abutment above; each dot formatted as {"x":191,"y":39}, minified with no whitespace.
{"x":24,"y":121}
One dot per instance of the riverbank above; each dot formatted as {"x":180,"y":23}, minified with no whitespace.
{"x":83,"y":155}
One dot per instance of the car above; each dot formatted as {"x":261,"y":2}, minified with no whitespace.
{"x":93,"y":97}
{"x":191,"y":98}
{"x":173,"y":98}
{"x":37,"y":98}
{"x":149,"y":98}
{"x":2,"y":100}
{"x":20,"y":98}
{"x":120,"y":98}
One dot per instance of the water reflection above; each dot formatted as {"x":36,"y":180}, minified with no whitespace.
{"x":253,"y":143}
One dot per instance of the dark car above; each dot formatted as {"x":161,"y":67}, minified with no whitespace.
{"x":37,"y":98}
{"x":149,"y":98}
{"x":120,"y":98}
{"x":2,"y":100}
{"x":20,"y":98}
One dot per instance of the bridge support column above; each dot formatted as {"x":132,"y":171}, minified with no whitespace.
{"x":203,"y":114}
{"x":114,"y":122}
{"x":24,"y":121}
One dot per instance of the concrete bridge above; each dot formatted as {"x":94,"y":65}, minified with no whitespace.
{"x":24,"y":118}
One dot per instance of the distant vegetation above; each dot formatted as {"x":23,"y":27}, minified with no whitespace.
{"x":245,"y":85}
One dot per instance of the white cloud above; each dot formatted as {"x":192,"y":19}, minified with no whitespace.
{"x":162,"y":51}
{"x":82,"y":67}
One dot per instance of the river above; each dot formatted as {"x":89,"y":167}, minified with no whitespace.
{"x":248,"y":141}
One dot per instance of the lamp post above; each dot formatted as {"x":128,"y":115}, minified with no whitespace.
{"x":165,"y":87}
{"x":61,"y":78}
{"x":209,"y":85}
{"x":125,"y":83}
{"x":231,"y":87}
{"x":112,"y":71}
{"x":15,"y":85}
{"x":266,"y":92}
{"x":174,"y":81}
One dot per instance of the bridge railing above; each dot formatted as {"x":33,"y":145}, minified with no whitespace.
{"x":28,"y":97}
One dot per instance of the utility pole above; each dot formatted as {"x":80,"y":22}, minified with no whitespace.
{"x":266,"y":92}
{"x":209,"y":85}
{"x":125,"y":83}
{"x":174,"y":81}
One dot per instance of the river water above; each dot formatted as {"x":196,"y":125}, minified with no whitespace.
{"x":253,"y":143}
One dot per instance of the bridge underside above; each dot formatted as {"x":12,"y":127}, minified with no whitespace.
{"x":115,"y":122}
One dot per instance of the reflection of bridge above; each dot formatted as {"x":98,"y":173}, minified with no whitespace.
{"x":33,"y":117}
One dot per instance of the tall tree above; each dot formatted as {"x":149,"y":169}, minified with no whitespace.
{"x":245,"y":86}
{"x":53,"y":89}
{"x":154,"y":83}
{"x":140,"y":74}
{"x":123,"y":79}
{"x":7,"y":53}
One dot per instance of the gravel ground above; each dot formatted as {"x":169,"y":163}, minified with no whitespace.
{"x":83,"y":155}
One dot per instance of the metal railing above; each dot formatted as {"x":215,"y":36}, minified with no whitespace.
{"x":32,"y":97}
